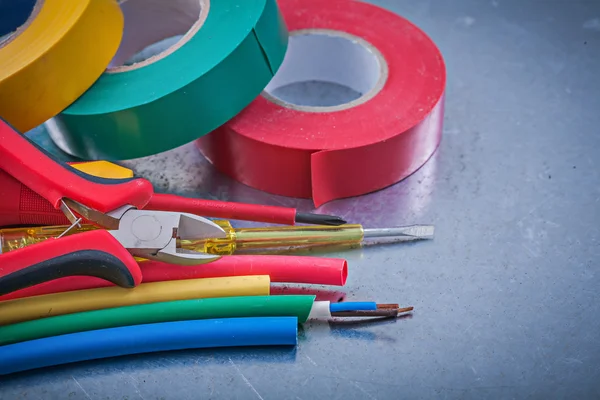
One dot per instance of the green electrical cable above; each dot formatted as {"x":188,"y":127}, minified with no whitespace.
{"x":224,"y":307}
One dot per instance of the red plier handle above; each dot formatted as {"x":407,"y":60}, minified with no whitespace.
{"x":95,"y":253}
{"x":53,"y":180}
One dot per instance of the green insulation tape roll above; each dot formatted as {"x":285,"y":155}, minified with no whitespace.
{"x":182,"y":310}
{"x":228,"y":52}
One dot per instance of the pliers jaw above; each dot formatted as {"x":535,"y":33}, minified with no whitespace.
{"x":154,"y":234}
{"x":174,"y":255}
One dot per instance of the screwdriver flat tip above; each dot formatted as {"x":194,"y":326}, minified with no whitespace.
{"x":319,"y":219}
{"x":413,"y":232}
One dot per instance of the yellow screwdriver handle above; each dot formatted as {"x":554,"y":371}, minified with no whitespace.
{"x":274,"y":237}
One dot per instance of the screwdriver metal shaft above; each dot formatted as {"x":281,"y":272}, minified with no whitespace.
{"x":414,"y":232}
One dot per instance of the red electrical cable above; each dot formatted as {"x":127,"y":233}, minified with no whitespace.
{"x":289,"y":269}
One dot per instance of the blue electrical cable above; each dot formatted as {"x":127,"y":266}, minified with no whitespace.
{"x":353,"y":306}
{"x":112,"y":342}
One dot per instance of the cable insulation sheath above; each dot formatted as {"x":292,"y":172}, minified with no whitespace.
{"x":353,"y":306}
{"x":181,"y":310}
{"x":319,"y":310}
{"x":30,"y":308}
{"x":285,"y":269}
{"x":113,"y":342}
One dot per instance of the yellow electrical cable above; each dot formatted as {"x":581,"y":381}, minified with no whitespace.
{"x":36,"y":307}
{"x":57,"y":55}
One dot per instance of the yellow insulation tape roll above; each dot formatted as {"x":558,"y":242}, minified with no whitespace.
{"x":52,"y":59}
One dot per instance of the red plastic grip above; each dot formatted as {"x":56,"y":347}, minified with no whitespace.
{"x":223,"y":209}
{"x":20,"y":205}
{"x":100,"y":240}
{"x":53,"y":181}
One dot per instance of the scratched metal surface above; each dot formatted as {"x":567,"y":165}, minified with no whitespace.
{"x":506,"y":296}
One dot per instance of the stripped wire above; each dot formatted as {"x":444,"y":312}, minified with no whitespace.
{"x":325,"y":309}
{"x":380,"y":310}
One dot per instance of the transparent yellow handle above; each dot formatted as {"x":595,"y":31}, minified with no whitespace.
{"x":17,"y":238}
{"x":272,"y":237}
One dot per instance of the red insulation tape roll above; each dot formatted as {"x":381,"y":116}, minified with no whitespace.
{"x":331,"y":152}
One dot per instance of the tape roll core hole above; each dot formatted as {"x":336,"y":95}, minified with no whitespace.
{"x":20,"y":16}
{"x":326,"y":70}
{"x":154,"y":29}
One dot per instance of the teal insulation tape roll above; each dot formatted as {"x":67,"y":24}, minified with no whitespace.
{"x":229,"y":52}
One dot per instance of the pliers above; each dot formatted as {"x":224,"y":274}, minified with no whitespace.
{"x":113,"y":204}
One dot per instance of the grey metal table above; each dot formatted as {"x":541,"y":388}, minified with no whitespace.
{"x":506,"y":296}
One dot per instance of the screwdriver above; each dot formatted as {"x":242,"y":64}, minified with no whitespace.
{"x":20,"y":205}
{"x":241,"y":238}
{"x":291,"y":236}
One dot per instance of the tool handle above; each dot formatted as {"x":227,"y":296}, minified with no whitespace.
{"x":53,"y":180}
{"x":223,"y":209}
{"x":20,"y":205}
{"x":283,"y":237}
{"x":95,"y":253}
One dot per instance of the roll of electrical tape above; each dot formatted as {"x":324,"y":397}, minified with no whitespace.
{"x":54,"y":57}
{"x":331,"y":152}
{"x":229,"y":52}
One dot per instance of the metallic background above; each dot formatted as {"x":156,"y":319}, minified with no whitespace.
{"x":506,"y":296}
